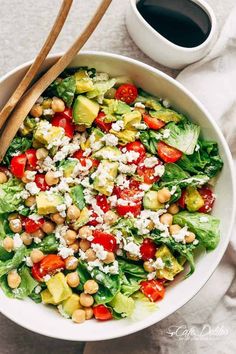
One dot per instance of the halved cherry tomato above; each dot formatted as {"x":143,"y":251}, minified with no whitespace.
{"x":31,"y":158}
{"x":147,"y":174}
{"x":102,"y":313}
{"x":51,"y":263}
{"x":67,"y":113}
{"x":153,"y":123}
{"x":108,"y":241}
{"x":37,"y":273}
{"x":138,"y":147}
{"x":93,"y":218}
{"x":65,"y":123}
{"x":127,"y":93}
{"x":209,"y":199}
{"x":181,"y":200}
{"x":103,"y":203}
{"x":18,"y":164}
{"x":153,"y":289}
{"x":99,"y":121}
{"x":83,"y":160}
{"x":32,"y":226}
{"x":168,"y":153}
{"x":40,"y":182}
{"x":148,"y":249}
{"x":122,"y":210}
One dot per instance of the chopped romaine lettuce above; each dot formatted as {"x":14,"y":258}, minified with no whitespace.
{"x":65,"y":89}
{"x":77,"y":196}
{"x":13,"y":263}
{"x":123,"y":304}
{"x":9,"y":195}
{"x":18,"y":145}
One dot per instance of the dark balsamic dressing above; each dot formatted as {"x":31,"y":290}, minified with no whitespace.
{"x":182,"y":22}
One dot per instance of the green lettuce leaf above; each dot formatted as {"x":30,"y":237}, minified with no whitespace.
{"x":183,"y":136}
{"x":49,"y":244}
{"x":123,"y":304}
{"x":9,"y":195}
{"x":100,"y":88}
{"x":77,"y":196}
{"x":13,"y":263}
{"x":27,"y":284}
{"x":18,"y":145}
{"x":206,"y":227}
{"x":65,"y":89}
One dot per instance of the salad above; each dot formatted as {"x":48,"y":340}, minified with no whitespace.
{"x":105,"y":194}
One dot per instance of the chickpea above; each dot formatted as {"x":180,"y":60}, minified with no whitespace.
{"x":174,"y":229}
{"x":78,"y":316}
{"x":150,"y":225}
{"x":50,"y":178}
{"x":29,"y":202}
{"x":3,"y":178}
{"x":71,"y":263}
{"x":75,"y":246}
{"x":13,"y":216}
{"x":166,"y":219}
{"x":47,"y":103}
{"x":110,"y":217}
{"x":91,"y":287}
{"x":163,"y":195}
{"x":26,"y":238}
{"x":8,"y":244}
{"x":132,"y":257}
{"x":73,"y":279}
{"x":173,"y":209}
{"x":58,"y":219}
{"x":15,"y":225}
{"x":90,"y":255}
{"x":36,"y":255}
{"x":190,"y":237}
{"x":39,"y":234}
{"x":88,"y":313}
{"x":84,"y":245}
{"x":80,"y":128}
{"x":48,"y":227}
{"x":86,"y":300}
{"x":85,"y":232}
{"x":41,"y":153}
{"x":70,"y":236}
{"x":58,"y":105}
{"x":36,"y":111}
{"x":148,"y":267}
{"x":109,"y":258}
{"x":25,"y":178}
{"x":13,"y":279}
{"x":73,"y":212}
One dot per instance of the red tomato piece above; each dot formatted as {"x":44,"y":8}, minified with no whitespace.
{"x":92,"y":219}
{"x":181,"y":200}
{"x":99,"y":121}
{"x":122,"y":210}
{"x":153,"y":123}
{"x":65,"y":123}
{"x":148,"y":249}
{"x":67,"y":113}
{"x":78,"y":154}
{"x":83,"y":160}
{"x":168,"y":153}
{"x":108,"y":241}
{"x":153,"y":289}
{"x":209,"y":199}
{"x":31,"y":158}
{"x":18,"y":164}
{"x":40,"y":182}
{"x":138,"y":147}
{"x":147,"y":174}
{"x":32,"y":226}
{"x":103,"y":203}
{"x":127,"y":93}
{"x":37,"y":273}
{"x":102,"y":313}
{"x":51,"y":263}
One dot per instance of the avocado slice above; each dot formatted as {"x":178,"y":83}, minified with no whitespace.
{"x":59,"y":288}
{"x":47,"y":297}
{"x":151,"y":202}
{"x":110,"y":153}
{"x":83,"y":82}
{"x":85,"y":111}
{"x":47,"y":203}
{"x":95,"y":136}
{"x":193,"y":199}
{"x":105,"y":178}
{"x":46,"y":133}
{"x":172,"y":266}
{"x":71,"y":304}
{"x":68,"y":167}
{"x":132,"y":118}
{"x":82,"y":220}
{"x":126,"y":136}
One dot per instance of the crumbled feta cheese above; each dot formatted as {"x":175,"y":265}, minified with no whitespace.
{"x":47,"y":277}
{"x":151,"y":275}
{"x":37,"y":240}
{"x":99,"y":250}
{"x":180,"y":236}
{"x":128,"y":169}
{"x":159,"y":170}
{"x":32,"y":188}
{"x":118,"y":126}
{"x":65,"y":252}
{"x":17,"y":241}
{"x":166,"y":133}
{"x":35,"y":217}
{"x":133,"y":249}
{"x":110,"y":139}
{"x":30,"y":175}
{"x":166,"y":103}
{"x":139,"y":105}
{"x":132,"y":155}
{"x":151,"y":162}
{"x":28,"y":262}
{"x":38,"y":289}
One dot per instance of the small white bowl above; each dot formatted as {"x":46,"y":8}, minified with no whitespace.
{"x":161,"y":49}
{"x":44,"y":319}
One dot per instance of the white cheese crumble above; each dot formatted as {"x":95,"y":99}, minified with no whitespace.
{"x":118,"y":126}
{"x":32,"y":188}
{"x":17,"y":241}
{"x":151,"y":162}
{"x":99,"y":250}
{"x":110,"y":140}
{"x":133,"y":249}
{"x":65,"y":252}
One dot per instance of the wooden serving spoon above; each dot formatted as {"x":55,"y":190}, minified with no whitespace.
{"x":34,"y":68}
{"x":16,"y":119}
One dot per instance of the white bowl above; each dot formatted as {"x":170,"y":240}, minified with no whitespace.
{"x":161,"y":49}
{"x":47,"y":321}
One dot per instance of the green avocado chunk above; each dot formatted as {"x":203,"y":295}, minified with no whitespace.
{"x":172,"y":266}
{"x":48,"y":203}
{"x":85,"y":111}
{"x":58,"y":288}
{"x":105,"y":178}
{"x":151,"y":202}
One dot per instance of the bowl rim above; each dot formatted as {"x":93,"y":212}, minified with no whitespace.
{"x":201,"y":3}
{"x":140,"y":325}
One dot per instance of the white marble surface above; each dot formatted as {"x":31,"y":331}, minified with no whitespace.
{"x":24,"y":25}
